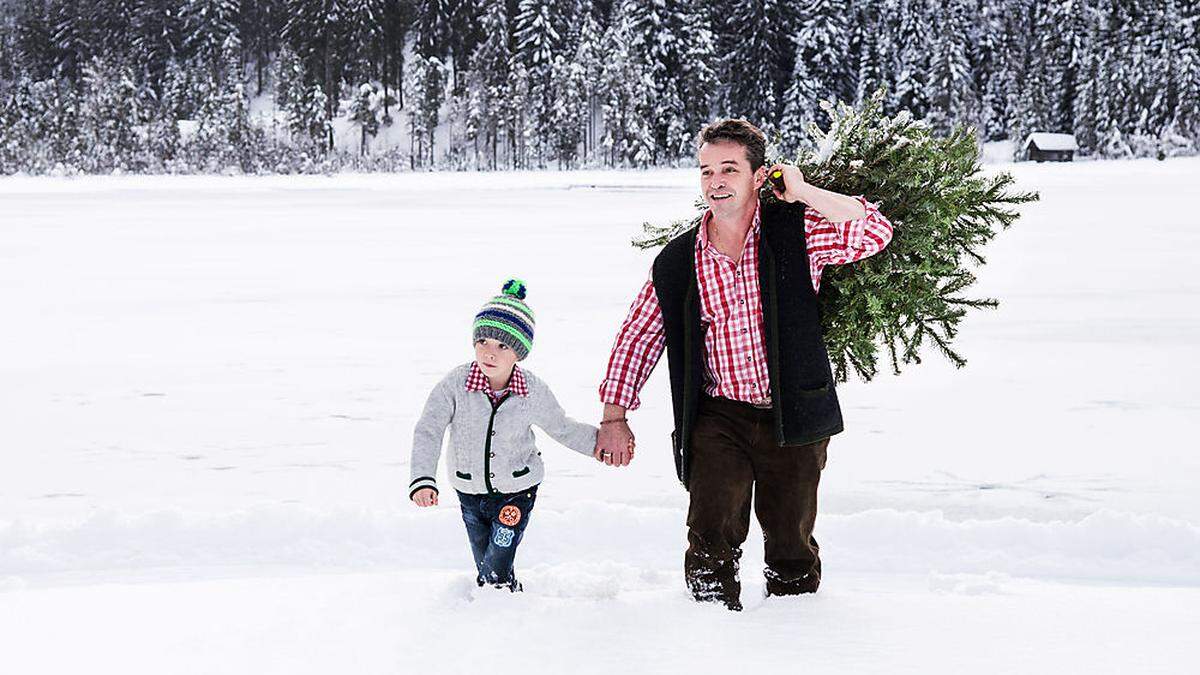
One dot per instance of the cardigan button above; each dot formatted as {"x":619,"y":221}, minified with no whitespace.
{"x":493,"y":432}
{"x":491,"y":475}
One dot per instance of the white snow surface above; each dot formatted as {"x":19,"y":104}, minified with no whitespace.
{"x":209,"y":387}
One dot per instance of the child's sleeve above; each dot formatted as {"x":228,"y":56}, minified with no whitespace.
{"x":552,"y":419}
{"x":429,"y":434}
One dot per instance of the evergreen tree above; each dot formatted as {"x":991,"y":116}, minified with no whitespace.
{"x":951,"y":95}
{"x":628,"y":132}
{"x":568,"y":113}
{"x":302,"y":103}
{"x":34,"y":39}
{"x":156,"y":36}
{"x":489,"y":69}
{"x":911,"y":63}
{"x":316,"y":31}
{"x":590,"y":54}
{"x":822,"y":42}
{"x":801,"y":101}
{"x":398,"y":16}
{"x":537,"y":39}
{"x":426,"y":86}
{"x":909,"y":295}
{"x":109,"y":110}
{"x":208,"y":26}
{"x":752,"y":39}
{"x":676,"y":43}
{"x":364,"y":113}
{"x":1186,"y":120}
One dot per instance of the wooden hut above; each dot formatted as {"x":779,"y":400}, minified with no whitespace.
{"x":1045,"y":147}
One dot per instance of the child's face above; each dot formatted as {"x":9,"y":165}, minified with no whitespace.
{"x":495,"y":358}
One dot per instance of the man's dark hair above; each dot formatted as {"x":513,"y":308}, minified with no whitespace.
{"x":741,"y":132}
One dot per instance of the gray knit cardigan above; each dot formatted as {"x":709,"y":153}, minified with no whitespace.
{"x":491,"y":449}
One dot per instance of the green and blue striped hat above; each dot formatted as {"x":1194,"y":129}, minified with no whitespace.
{"x":508,"y":319}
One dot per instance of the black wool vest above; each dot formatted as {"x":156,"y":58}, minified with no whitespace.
{"x":804,"y":402}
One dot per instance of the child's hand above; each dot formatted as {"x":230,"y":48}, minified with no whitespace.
{"x":425,"y":497}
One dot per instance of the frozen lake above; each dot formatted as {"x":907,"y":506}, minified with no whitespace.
{"x":209,"y":387}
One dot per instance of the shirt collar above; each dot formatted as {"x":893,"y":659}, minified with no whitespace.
{"x":477,"y":381}
{"x":702,"y":239}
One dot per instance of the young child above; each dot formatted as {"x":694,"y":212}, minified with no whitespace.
{"x":489,"y":405}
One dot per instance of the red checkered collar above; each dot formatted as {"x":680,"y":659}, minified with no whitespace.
{"x":702,"y":238}
{"x":477,"y":381}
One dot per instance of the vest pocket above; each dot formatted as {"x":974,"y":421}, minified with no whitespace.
{"x":816,"y":391}
{"x":464,"y":476}
{"x":522,"y":472}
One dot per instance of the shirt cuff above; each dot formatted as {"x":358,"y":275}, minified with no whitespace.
{"x":853,"y":231}
{"x":616,"y":392}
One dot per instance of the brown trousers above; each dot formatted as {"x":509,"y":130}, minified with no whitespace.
{"x":734,"y":456}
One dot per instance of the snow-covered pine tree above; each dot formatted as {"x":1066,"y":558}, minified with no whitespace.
{"x":398,"y":17}
{"x":628,"y":138}
{"x":537,"y":40}
{"x":73,"y":37}
{"x":33,"y":35}
{"x":676,"y":43}
{"x":156,"y":37}
{"x":991,"y":71}
{"x":823,"y":41}
{"x":752,"y":38}
{"x":225,"y":139}
{"x":488,"y":80}
{"x":568,"y":111}
{"x":207,"y":26}
{"x":910,"y":294}
{"x":1111,"y":85}
{"x":1187,"y":116}
{"x":302,"y":103}
{"x":431,"y":29}
{"x":871,"y":54}
{"x":801,"y":101}
{"x":426,"y":87}
{"x":364,"y":113}
{"x":590,"y":54}
{"x":109,"y":109}
{"x":363,"y":32}
{"x":911,"y":64}
{"x":315,"y":30}
{"x":951,"y":89}
{"x":162,"y":143}
{"x":464,"y":34}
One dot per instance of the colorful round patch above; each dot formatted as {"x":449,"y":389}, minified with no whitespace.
{"x":510,"y":515}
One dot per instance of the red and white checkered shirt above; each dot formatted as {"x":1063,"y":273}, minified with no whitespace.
{"x":477,"y":381}
{"x":735,"y":351}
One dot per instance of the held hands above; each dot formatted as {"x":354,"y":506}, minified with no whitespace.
{"x":425,"y":497}
{"x":614,"y":443}
{"x":787,"y":182}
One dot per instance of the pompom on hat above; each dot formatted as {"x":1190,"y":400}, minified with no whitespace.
{"x":508,"y":319}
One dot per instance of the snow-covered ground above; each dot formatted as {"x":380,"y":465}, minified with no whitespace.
{"x":209,"y":385}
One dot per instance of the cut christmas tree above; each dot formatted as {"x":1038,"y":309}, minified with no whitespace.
{"x":943,"y":209}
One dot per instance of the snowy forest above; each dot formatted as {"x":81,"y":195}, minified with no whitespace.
{"x":284,"y":86}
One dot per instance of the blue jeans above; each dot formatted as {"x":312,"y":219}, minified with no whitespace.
{"x":495,"y":524}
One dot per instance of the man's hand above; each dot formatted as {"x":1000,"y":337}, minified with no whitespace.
{"x":615,"y":442}
{"x":425,"y":497}
{"x":792,"y":179}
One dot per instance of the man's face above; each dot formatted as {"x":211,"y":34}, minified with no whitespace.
{"x":726,"y":180}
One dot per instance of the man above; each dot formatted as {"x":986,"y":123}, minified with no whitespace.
{"x":734,"y":304}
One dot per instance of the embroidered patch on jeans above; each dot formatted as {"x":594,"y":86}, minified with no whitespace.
{"x":504,"y":537}
{"x":510,"y":515}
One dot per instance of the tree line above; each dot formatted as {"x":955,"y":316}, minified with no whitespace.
{"x":179,"y":85}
